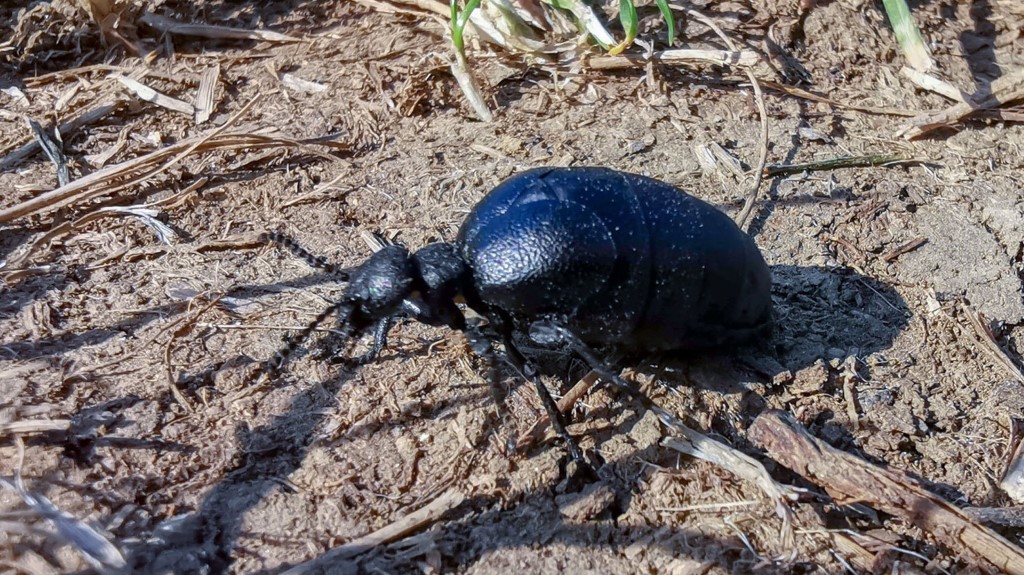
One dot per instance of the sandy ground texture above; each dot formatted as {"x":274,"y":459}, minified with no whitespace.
{"x":127,"y":363}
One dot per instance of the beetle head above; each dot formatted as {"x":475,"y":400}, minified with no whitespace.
{"x":378,"y":287}
{"x":392,"y":281}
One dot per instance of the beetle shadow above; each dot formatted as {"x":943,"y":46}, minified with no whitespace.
{"x":485,"y":530}
{"x":818,"y":310}
{"x":821,"y":314}
{"x":832,"y":312}
{"x":57,"y":345}
{"x":203,"y":541}
{"x":206,"y":540}
{"x":98,"y":426}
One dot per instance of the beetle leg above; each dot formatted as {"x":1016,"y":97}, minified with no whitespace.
{"x":380,"y":341}
{"x":480,"y":343}
{"x":518,"y":361}
{"x":550,"y":332}
{"x":601,"y":368}
{"x":292,"y":342}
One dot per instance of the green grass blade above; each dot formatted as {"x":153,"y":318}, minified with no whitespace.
{"x":630,"y":23}
{"x":670,"y":20}
{"x":460,"y":69}
{"x":459,"y":19}
{"x":627,"y":15}
{"x":908,"y":35}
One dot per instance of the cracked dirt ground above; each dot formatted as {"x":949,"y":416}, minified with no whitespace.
{"x":220,"y":477}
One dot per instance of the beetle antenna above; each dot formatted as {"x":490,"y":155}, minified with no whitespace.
{"x":313,"y":261}
{"x":292,"y":342}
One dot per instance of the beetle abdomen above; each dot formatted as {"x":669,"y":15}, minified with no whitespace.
{"x":543,"y":257}
{"x":620,"y":259}
{"x":711,"y":284}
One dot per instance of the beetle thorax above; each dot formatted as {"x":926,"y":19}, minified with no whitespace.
{"x":443,"y":274}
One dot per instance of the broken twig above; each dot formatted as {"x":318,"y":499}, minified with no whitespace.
{"x":414,"y":521}
{"x":1002,"y":90}
{"x":170,"y":26}
{"x":850,"y":479}
{"x":737,"y":58}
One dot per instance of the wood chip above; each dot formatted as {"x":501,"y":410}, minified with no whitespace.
{"x":705,"y":159}
{"x":62,"y":102}
{"x":205,"y":103}
{"x":731,"y":162}
{"x":848,"y":376}
{"x":1012,"y":481}
{"x":904,"y":249}
{"x":933,"y":84}
{"x":850,"y":479}
{"x":100,"y":159}
{"x":301,"y":85}
{"x":852,"y":551}
{"x":33,"y":426}
{"x":587,"y":504}
{"x":144,"y":92}
{"x":696,"y":444}
{"x":536,"y":431}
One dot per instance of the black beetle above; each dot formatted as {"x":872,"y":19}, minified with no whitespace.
{"x":574,"y":256}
